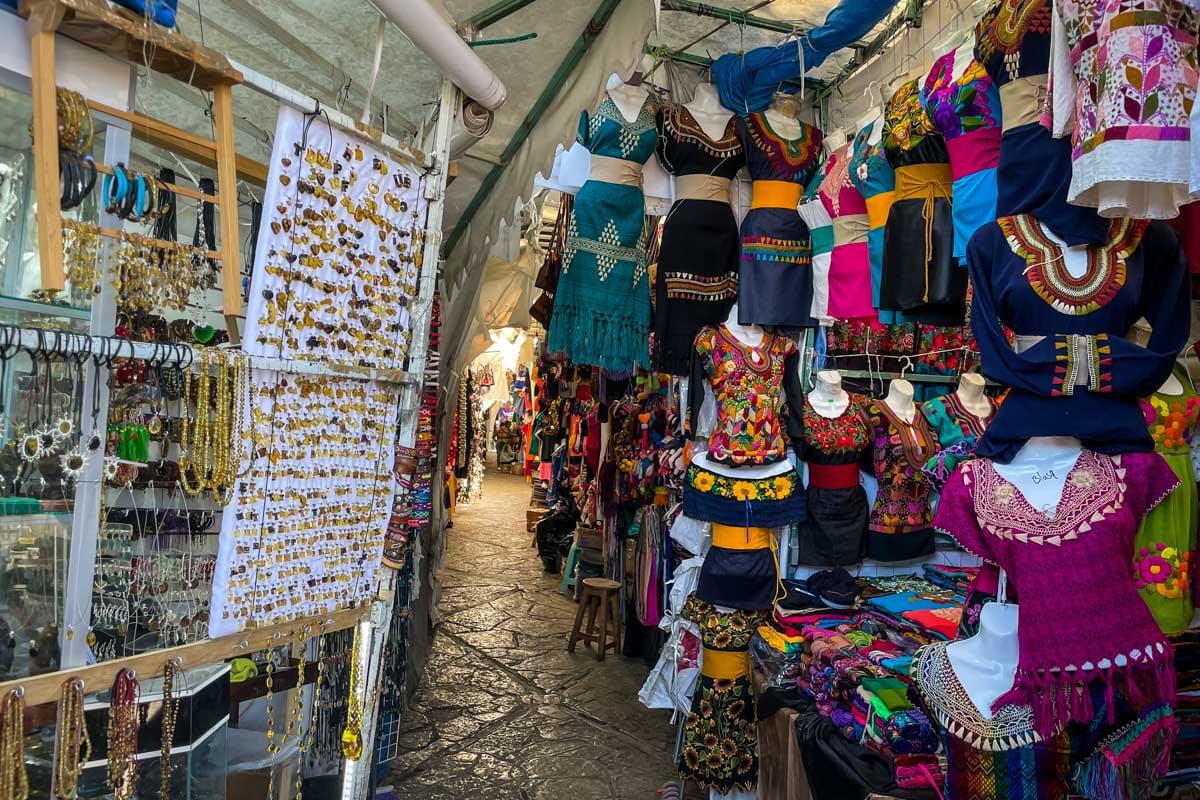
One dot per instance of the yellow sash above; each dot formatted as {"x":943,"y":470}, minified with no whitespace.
{"x":718,"y":664}
{"x":775,"y":194}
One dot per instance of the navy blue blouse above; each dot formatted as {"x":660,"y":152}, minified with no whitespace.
{"x":1077,"y":374}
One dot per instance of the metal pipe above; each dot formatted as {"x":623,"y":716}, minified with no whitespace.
{"x":434,"y":37}
{"x":309,"y":105}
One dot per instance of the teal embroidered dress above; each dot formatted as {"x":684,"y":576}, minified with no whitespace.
{"x":602,"y":304}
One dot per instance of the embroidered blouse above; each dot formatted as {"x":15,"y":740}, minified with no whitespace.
{"x":685,"y":149}
{"x":952,"y":422}
{"x":1073,"y":373}
{"x":758,"y":395}
{"x":965,"y":110}
{"x":770,"y":157}
{"x":1072,"y":566}
{"x":843,"y":439}
{"x":850,"y":266}
{"x":1123,"y":76}
{"x":1012,"y":42}
{"x":899,"y":450}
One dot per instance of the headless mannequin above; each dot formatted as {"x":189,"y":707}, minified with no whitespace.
{"x":986,"y":663}
{"x":970,"y":394}
{"x":900,"y":400}
{"x":705,"y":107}
{"x":1040,"y":470}
{"x":874,"y":118}
{"x":835,"y":140}
{"x":629,"y":99}
{"x":1171,"y":386}
{"x":751,"y":336}
{"x":828,"y":398}
{"x":781,"y":116}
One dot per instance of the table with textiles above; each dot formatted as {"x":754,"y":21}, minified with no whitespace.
{"x":843,"y":677}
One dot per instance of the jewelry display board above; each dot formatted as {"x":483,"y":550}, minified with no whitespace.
{"x":339,"y":250}
{"x":303,"y":533}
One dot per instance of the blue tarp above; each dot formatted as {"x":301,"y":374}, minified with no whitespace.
{"x":746,"y":83}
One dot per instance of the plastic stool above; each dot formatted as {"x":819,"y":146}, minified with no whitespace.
{"x":568,"y":578}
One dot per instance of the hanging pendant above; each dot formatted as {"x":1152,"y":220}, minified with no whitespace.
{"x":352,"y":743}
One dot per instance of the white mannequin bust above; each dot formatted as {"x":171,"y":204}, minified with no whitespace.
{"x":900,"y":400}
{"x":749,"y":335}
{"x":964,"y":54}
{"x":970,"y":394}
{"x":835,"y":140}
{"x":705,"y":107}
{"x":1171,"y":386}
{"x":827,"y":397}
{"x":1040,"y":470}
{"x":1074,"y":257}
{"x":782,"y":117}
{"x":629,"y":99}
{"x":986,"y":663}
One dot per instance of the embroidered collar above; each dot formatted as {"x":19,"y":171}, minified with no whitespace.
{"x":1004,"y":25}
{"x":974,"y":423}
{"x":905,"y":121}
{"x":1046,"y":269}
{"x":683,"y":127}
{"x":787,"y":156}
{"x":837,"y":177}
{"x":1093,"y":490}
{"x":914,"y":436}
{"x":757,"y":358}
{"x":645,"y":118}
{"x":1010,"y":727}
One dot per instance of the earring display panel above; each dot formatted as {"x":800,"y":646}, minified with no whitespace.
{"x":339,"y":250}
{"x":303,"y":533}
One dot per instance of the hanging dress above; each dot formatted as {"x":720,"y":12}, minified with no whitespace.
{"x":1012,"y":42}
{"x":720,"y":737}
{"x":1164,"y":551}
{"x":901,"y":525}
{"x":965,"y":110}
{"x":850,"y":266}
{"x":775,"y":286}
{"x":834,"y":534}
{"x":602,"y":302}
{"x":1122,"y":84}
{"x":820,"y":226}
{"x":875,"y":180}
{"x":698,"y":261}
{"x":920,"y":274}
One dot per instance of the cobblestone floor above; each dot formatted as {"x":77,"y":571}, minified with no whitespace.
{"x":503,"y":711}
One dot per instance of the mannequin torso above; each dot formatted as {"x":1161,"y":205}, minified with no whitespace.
{"x":628,"y":99}
{"x":781,"y":116}
{"x":705,"y":107}
{"x":1040,"y":470}
{"x":970,"y":394}
{"x":1171,"y":386}
{"x":900,"y":400}
{"x":751,"y":335}
{"x":835,"y":140}
{"x":874,"y":118}
{"x":828,"y":398}
{"x":986,"y":663}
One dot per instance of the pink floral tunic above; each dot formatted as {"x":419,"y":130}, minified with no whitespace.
{"x":1079,"y":608}
{"x":1123,"y":73}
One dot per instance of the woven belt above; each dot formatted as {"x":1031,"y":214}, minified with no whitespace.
{"x":733,"y":537}
{"x":833,"y":476}
{"x":878,"y":208}
{"x":718,"y":664}
{"x":925,"y":182}
{"x":775,"y":194}
{"x":851,"y":228}
{"x":702,"y":187}
{"x":1022,"y":101}
{"x":615,"y":170}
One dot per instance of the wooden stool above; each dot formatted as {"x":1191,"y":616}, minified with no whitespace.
{"x":603,"y":595}
{"x":532,"y":517}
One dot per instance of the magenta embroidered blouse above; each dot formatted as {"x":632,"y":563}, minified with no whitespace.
{"x":1078,"y":604}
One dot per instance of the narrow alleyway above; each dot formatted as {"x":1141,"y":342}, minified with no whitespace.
{"x":503,"y":711}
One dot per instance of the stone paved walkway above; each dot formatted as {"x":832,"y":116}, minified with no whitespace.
{"x":503,"y":711}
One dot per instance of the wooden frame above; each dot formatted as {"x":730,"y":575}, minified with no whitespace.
{"x":126,"y":36}
{"x":46,"y":688}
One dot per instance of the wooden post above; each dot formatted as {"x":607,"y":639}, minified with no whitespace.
{"x":231,"y":270}
{"x":45,"y":151}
